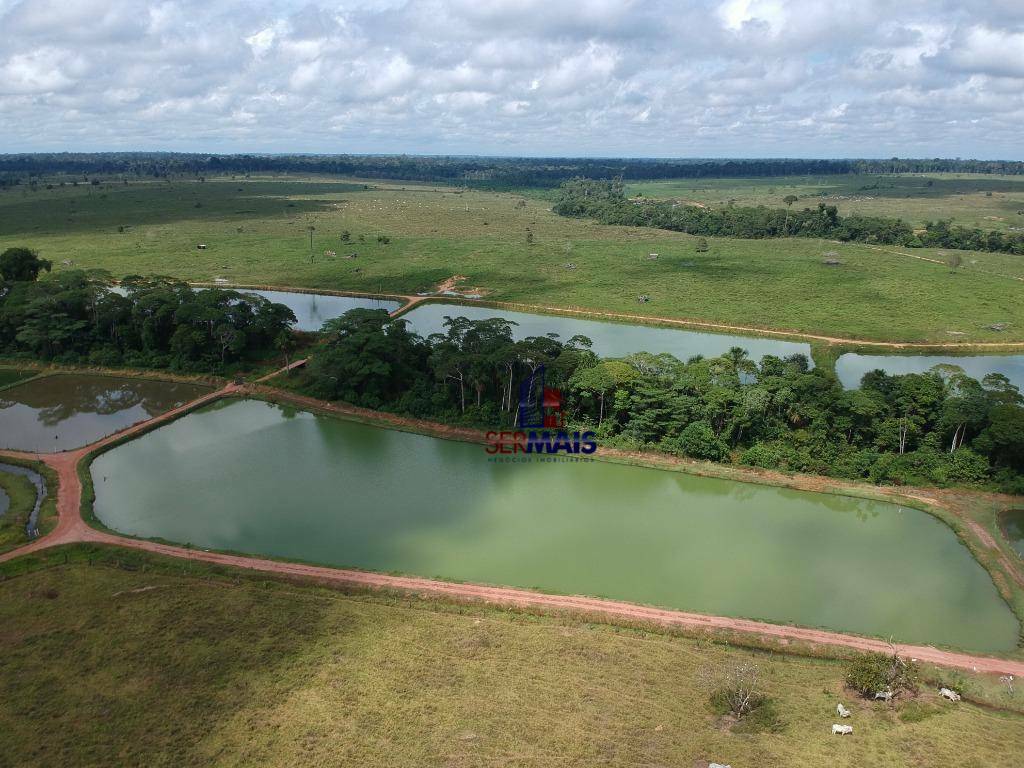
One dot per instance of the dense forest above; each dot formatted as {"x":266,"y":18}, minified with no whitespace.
{"x":606,"y":202}
{"x":75,"y":317}
{"x":940,"y":428}
{"x":497,"y":172}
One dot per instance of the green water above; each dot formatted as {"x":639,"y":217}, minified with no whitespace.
{"x":63,"y":412}
{"x":258,"y":478}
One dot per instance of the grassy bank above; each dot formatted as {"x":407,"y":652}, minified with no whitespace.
{"x":142,"y":660}
{"x":408,"y":237}
{"x":23,"y":498}
{"x":21,"y":495}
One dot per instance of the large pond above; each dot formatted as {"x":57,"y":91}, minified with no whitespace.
{"x":851,"y":367}
{"x":259,"y":478}
{"x":312,"y":309}
{"x":66,"y":411}
{"x":610,"y":339}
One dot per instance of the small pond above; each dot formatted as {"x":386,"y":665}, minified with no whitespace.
{"x":66,"y":411}
{"x":851,"y":367}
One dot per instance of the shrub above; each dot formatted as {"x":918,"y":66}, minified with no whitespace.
{"x":966,"y":466}
{"x":699,"y":441}
{"x":738,"y":696}
{"x":737,"y":693}
{"x":874,"y":672}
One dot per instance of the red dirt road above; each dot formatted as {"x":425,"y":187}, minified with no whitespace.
{"x":72,"y":528}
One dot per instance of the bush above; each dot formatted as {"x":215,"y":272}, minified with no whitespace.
{"x":875,"y":672}
{"x":737,"y":691}
{"x":763,"y":455}
{"x":699,"y":441}
{"x":966,"y":466}
{"x":738,"y":696}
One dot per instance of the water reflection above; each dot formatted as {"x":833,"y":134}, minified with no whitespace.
{"x":32,"y":524}
{"x":63,"y":412}
{"x":1012,"y":523}
{"x":610,"y":339}
{"x":851,"y":367}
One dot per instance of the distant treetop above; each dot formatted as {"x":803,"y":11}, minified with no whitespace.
{"x":474,"y":171}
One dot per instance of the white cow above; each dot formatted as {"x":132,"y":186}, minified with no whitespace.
{"x":843,"y":711}
{"x":948,"y":693}
{"x":842,"y":730}
{"x":884,"y":695}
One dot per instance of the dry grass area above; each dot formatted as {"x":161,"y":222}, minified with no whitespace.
{"x":168,"y":664}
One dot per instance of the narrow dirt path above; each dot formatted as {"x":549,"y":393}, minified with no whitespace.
{"x":72,"y":528}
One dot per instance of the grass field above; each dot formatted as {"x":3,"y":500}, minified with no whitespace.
{"x":256,"y":231}
{"x":9,"y":376}
{"x":174,"y":665}
{"x":974,"y":200}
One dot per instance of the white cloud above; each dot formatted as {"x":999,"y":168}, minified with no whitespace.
{"x":979,"y":49}
{"x":626,"y":77}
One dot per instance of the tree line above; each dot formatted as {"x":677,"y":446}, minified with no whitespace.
{"x":606,"y":202}
{"x":496,"y":172}
{"x":936,"y":428}
{"x":150,"y":322}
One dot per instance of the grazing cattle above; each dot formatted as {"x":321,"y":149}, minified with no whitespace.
{"x":842,"y":730}
{"x":884,"y":696}
{"x":843,"y":711}
{"x":950,"y":694}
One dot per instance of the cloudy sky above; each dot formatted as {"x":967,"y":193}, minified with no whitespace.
{"x":802,"y":78}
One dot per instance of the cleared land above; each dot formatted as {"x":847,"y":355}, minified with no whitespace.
{"x":973,"y":200}
{"x":169,"y":666}
{"x":257,"y":232}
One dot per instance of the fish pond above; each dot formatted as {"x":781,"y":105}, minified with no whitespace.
{"x":312,"y":310}
{"x":66,"y":411}
{"x":851,"y":367}
{"x":611,"y":339}
{"x":264,"y":479}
